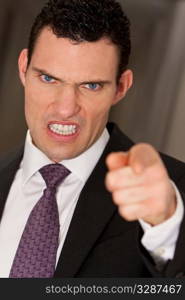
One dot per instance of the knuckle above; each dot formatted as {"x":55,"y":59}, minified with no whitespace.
{"x":117,"y":197}
{"x":126,"y":214}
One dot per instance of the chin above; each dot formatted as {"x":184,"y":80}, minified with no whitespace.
{"x":58,"y":158}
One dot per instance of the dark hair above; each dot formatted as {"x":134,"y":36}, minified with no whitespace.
{"x":85,"y":20}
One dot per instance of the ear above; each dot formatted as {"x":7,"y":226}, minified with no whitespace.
{"x":22,"y":64}
{"x":124,"y":84}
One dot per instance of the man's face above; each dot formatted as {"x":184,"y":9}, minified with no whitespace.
{"x":69,"y":90}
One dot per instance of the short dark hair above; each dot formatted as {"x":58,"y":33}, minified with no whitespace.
{"x":85,"y":20}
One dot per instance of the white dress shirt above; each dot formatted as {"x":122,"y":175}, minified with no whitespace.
{"x":28,"y":186}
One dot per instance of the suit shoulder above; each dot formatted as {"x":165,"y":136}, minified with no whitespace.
{"x":11,"y":158}
{"x":175,"y":167}
{"x":119,"y":140}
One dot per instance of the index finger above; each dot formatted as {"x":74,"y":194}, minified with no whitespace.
{"x":117,"y":160}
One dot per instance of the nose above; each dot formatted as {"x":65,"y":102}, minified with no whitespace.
{"x":67,"y":102}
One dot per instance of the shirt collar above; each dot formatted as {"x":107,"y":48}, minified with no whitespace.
{"x":81,"y":166}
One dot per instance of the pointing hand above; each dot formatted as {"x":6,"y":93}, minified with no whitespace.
{"x":140,"y":185}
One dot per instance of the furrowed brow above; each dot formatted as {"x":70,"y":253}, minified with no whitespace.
{"x":42,"y":71}
{"x":99,"y":81}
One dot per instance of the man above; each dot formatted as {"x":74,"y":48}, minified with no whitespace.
{"x":114,"y":214}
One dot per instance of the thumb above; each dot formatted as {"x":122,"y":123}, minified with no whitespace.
{"x":117,"y":160}
{"x":142,"y":156}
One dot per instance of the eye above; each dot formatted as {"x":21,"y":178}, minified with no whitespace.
{"x":47,"y":78}
{"x":92,"y":86}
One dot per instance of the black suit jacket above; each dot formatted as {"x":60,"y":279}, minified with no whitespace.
{"x":99,"y":242}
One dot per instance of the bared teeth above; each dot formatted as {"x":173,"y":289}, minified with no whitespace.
{"x":63,"y":129}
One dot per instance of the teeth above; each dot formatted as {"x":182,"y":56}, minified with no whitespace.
{"x":63,"y":129}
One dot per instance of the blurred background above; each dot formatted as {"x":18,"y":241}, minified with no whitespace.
{"x":153,"y":111}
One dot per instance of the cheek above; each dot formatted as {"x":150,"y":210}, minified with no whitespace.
{"x":99,"y":111}
{"x":33,"y":111}
{"x":35,"y":103}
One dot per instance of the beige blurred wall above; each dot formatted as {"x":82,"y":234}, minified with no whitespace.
{"x":16,"y":18}
{"x":153,"y":111}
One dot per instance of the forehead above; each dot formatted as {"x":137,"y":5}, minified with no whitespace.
{"x":60,"y":54}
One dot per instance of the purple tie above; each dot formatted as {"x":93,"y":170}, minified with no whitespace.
{"x":36,"y":253}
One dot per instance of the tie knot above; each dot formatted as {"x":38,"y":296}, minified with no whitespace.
{"x":54,"y":174}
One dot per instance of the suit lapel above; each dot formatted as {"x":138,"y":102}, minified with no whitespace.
{"x":93,"y":212}
{"x":7,"y":174}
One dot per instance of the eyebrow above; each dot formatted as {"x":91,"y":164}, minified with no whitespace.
{"x":44,"y":72}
